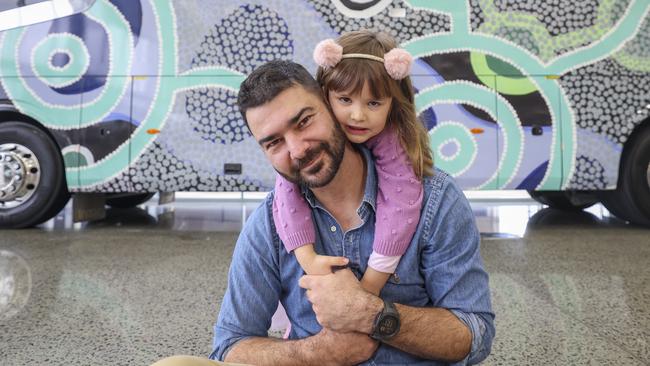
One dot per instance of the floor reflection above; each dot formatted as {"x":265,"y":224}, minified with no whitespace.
{"x":567,"y":287}
{"x":15,"y":284}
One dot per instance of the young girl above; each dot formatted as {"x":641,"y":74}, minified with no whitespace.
{"x":365,"y":79}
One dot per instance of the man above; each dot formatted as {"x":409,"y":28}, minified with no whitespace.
{"x":435,"y":307}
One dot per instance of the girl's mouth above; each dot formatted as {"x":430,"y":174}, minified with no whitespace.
{"x":356,"y":130}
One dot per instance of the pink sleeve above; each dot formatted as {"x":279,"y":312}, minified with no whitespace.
{"x":383,"y":263}
{"x":399,"y":195}
{"x":291,"y":215}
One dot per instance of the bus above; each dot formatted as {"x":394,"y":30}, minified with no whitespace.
{"x":111,"y":101}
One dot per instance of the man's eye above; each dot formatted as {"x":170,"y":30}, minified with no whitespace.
{"x":304,"y":121}
{"x":272,"y":143}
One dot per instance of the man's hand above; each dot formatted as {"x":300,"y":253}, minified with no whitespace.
{"x":340,"y":303}
{"x":344,"y":348}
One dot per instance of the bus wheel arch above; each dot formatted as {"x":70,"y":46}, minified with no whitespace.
{"x":33,"y":181}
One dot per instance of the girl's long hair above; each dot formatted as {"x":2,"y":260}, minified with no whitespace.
{"x":352,"y":74}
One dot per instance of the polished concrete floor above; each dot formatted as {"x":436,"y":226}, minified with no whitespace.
{"x":568,"y":289}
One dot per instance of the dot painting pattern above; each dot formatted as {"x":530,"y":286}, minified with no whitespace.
{"x":244,"y":40}
{"x":158,"y":170}
{"x":589,"y":174}
{"x":416,"y":23}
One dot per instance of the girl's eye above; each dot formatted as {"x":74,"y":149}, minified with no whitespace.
{"x":374,"y":103}
{"x":344,"y":99}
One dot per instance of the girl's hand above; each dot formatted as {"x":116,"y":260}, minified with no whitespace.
{"x":322,"y":264}
{"x":315,"y":264}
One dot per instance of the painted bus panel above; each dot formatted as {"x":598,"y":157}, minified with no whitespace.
{"x":515,"y":94}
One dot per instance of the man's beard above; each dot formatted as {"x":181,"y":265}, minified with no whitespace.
{"x":323,"y":171}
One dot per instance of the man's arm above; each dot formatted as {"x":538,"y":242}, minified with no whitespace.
{"x":431,"y":333}
{"x":325,"y":348}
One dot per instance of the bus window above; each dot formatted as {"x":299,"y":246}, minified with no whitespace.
{"x":18,"y":13}
{"x":12,"y":4}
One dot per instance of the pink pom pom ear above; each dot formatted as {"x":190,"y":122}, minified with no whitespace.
{"x":398,"y":63}
{"x":328,"y":53}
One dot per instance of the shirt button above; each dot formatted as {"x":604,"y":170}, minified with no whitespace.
{"x":333,"y":228}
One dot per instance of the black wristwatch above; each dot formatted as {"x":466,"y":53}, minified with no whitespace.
{"x":386,"y":323}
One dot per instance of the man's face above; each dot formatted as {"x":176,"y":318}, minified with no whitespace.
{"x":299,"y":137}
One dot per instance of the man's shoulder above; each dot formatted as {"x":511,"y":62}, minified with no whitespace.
{"x":260,"y":221}
{"x":438,"y":186}
{"x":442,"y":195}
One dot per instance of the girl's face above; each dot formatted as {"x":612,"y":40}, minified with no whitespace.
{"x":360,"y":115}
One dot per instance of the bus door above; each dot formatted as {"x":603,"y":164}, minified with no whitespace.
{"x":530,"y":133}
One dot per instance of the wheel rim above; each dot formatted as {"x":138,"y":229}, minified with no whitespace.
{"x":20,"y":174}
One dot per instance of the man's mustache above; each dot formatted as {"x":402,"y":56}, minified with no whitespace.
{"x":310,"y":155}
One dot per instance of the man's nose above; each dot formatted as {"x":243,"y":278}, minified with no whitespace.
{"x":297,"y":148}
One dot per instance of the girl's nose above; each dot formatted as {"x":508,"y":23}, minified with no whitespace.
{"x":357,"y":114}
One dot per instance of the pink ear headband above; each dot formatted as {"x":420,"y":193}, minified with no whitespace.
{"x":397,"y":61}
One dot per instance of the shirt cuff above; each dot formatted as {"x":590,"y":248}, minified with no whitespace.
{"x":221,"y":356}
{"x":477,"y":327}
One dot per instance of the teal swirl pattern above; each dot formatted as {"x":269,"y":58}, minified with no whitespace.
{"x":453,"y":132}
{"x":483,"y":98}
{"x":121,"y":53}
{"x":461,"y":38}
{"x":59,"y":77}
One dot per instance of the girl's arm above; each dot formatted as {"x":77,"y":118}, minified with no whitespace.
{"x":399,"y":197}
{"x":293,"y":222}
{"x":291,"y":215}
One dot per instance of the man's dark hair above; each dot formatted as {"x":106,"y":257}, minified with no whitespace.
{"x":271,"y":79}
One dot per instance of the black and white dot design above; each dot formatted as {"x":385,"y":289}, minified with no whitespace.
{"x":588,"y":175}
{"x":639,"y":45}
{"x":263,"y":37}
{"x":416,"y":23}
{"x":521,"y":37}
{"x":559,"y":16}
{"x":604,"y":104}
{"x":157,"y":170}
{"x":476,"y":15}
{"x":214,"y":114}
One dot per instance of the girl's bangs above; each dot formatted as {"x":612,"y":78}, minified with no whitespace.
{"x":350,"y":75}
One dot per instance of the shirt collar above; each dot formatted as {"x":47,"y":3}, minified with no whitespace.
{"x":370,"y":193}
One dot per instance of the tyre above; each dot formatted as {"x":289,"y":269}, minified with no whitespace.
{"x":631,"y":199}
{"x":129,"y":201}
{"x":564,"y":200}
{"x":33,"y":188}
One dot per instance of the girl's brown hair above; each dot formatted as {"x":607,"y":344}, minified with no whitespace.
{"x":351,"y":74}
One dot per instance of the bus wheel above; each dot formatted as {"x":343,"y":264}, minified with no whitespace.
{"x":129,"y":201}
{"x":564,"y":200}
{"x":32,"y":176}
{"x":631,"y":199}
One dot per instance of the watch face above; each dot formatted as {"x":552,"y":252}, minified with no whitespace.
{"x":388,"y":325}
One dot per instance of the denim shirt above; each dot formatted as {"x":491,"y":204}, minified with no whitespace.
{"x":441,"y":268}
